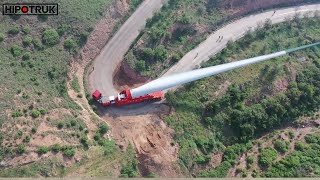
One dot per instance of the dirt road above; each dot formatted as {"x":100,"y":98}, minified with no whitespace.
{"x":111,"y":55}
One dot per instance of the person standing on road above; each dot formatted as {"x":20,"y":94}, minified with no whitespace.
{"x":273,"y":12}
{"x":221,"y":38}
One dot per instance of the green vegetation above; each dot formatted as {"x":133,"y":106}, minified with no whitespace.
{"x":208,"y":116}
{"x":34,"y":64}
{"x":44,"y":168}
{"x":43,"y":150}
{"x":281,"y":146}
{"x":69,"y":151}
{"x":50,"y":37}
{"x":1,"y":37}
{"x":14,"y":30}
{"x":267,"y":156}
{"x":130,"y":168}
{"x":16,"y":50}
{"x":70,"y":45}
{"x":180,"y":26}
{"x":304,"y":162}
{"x":27,"y":40}
{"x":75,"y":84}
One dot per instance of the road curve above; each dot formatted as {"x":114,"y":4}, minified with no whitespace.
{"x":235,"y":31}
{"x":111,"y":55}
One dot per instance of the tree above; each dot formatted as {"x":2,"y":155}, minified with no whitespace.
{"x":16,"y":50}
{"x":50,"y":37}
{"x":26,"y":56}
{"x":140,"y":66}
{"x":56,"y":148}
{"x":27,"y":40}
{"x":267,"y":156}
{"x":21,"y":149}
{"x":14,"y":30}
{"x":60,"y":125}
{"x":35,"y":113}
{"x":160,"y":53}
{"x":70,"y":44}
{"x":103,"y":128}
{"x":281,"y":146}
{"x":43,"y":150}
{"x":69,"y":152}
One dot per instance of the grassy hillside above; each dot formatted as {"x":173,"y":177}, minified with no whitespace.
{"x":37,"y":116}
{"x":182,"y":25}
{"x":241,"y":105}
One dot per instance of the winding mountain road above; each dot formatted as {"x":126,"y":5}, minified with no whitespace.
{"x":112,"y":54}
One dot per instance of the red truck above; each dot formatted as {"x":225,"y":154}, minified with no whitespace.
{"x":125,"y":98}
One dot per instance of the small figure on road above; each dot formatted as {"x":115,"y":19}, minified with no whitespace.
{"x":273,"y":12}
{"x":196,"y":56}
{"x":93,"y":68}
{"x":221,"y":38}
{"x":218,"y":39}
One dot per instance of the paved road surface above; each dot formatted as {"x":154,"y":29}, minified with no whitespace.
{"x":114,"y":51}
{"x":234,"y":31}
{"x":112,"y":54}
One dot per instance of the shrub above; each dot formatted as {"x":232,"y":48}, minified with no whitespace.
{"x":69,"y":152}
{"x":1,"y":37}
{"x":244,"y":174}
{"x":60,"y":125}
{"x":42,"y":111}
{"x":267,"y":156}
{"x":35,"y":113}
{"x":33,"y":130}
{"x":250,"y":160}
{"x":103,"y":128}
{"x":81,"y":127}
{"x":27,"y":40}
{"x":73,"y":122}
{"x":310,"y":138}
{"x":83,"y":38}
{"x":70,"y":44}
{"x":160,"y":53}
{"x":140,"y":66}
{"x":26,"y":29}
{"x":16,"y":50}
{"x":16,"y":113}
{"x":55,"y":148}
{"x":176,"y":57}
{"x":281,"y":146}
{"x":291,"y":134}
{"x":50,"y":37}
{"x":37,"y":43}
{"x":21,"y":149}
{"x":43,"y":150}
{"x":97,"y":137}
{"x":14,"y":30}
{"x":26,"y":56}
{"x":26,"y":139}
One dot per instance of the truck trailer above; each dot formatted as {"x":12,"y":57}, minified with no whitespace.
{"x":125,"y":98}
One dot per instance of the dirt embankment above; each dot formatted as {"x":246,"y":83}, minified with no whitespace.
{"x":127,"y":78}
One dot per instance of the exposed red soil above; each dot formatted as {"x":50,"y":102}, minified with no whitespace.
{"x":126,"y":78}
{"x":152,"y":139}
